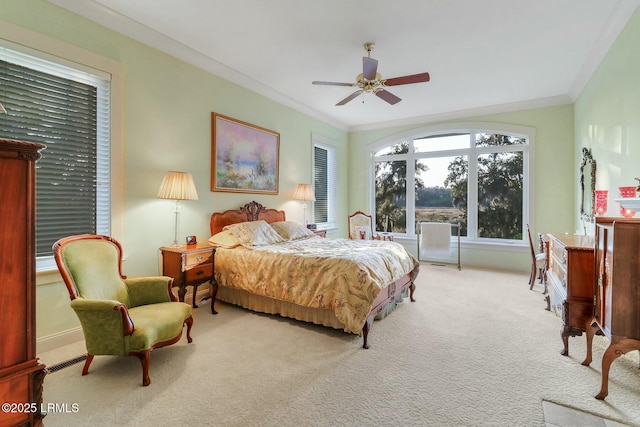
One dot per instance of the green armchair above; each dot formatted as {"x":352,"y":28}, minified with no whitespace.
{"x":119,"y":316}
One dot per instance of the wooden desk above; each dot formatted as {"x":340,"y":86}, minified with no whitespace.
{"x":570,"y":275}
{"x":617,"y":294}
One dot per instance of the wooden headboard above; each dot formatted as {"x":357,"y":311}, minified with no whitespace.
{"x":252,"y":211}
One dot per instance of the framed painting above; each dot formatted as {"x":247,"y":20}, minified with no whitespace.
{"x":244,"y":157}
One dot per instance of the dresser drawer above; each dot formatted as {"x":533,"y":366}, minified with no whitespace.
{"x":559,"y":253}
{"x":558,"y":268}
{"x":558,"y":295}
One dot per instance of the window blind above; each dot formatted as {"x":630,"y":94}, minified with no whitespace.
{"x":324,"y":182}
{"x":68,"y":111}
{"x":321,"y":184}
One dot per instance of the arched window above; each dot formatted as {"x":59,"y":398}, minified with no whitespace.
{"x":475,"y":174}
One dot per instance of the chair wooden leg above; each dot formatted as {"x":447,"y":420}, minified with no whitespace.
{"x":145,"y":360}
{"x":189,"y":323}
{"x":532,"y":276}
{"x":85,"y":369}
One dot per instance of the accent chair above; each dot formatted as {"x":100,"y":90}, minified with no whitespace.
{"x":119,"y":316}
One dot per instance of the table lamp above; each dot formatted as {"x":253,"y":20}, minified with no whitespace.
{"x":177,"y":186}
{"x":304,"y":192}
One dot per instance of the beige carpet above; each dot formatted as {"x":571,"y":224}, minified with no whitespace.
{"x":476,"y":349}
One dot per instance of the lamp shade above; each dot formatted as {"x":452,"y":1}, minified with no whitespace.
{"x":304,"y":192}
{"x":178,"y":186}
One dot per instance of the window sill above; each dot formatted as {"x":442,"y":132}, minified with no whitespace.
{"x":467,"y":244}
{"x":327,"y":227}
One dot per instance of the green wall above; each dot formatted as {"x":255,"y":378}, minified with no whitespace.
{"x":607,"y":115}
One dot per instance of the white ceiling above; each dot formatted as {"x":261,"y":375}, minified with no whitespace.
{"x":483,"y":55}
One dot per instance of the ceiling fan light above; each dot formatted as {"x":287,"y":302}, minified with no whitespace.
{"x":371,"y":81}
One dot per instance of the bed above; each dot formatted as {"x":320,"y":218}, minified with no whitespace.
{"x":339,"y":283}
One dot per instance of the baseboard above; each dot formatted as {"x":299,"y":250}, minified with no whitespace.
{"x":60,"y":339}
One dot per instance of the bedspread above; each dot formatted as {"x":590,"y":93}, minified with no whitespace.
{"x":341,"y":274}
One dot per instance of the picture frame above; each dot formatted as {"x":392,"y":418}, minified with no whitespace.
{"x":244,"y":157}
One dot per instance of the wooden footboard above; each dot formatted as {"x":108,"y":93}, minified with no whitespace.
{"x":387,"y":295}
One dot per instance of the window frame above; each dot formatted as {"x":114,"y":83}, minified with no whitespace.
{"x":472,"y":152}
{"x":41,"y":46}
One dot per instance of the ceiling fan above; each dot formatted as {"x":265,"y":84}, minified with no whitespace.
{"x":372,"y":82}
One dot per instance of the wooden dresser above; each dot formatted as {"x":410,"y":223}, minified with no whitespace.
{"x":570,"y":277}
{"x":617,"y":291}
{"x":21,"y":373}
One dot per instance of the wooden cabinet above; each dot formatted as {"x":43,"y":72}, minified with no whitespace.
{"x":21,"y":373}
{"x":617,"y":291}
{"x":569,"y":271}
{"x":189,"y":265}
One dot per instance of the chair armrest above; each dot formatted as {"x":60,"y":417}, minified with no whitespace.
{"x":98,"y":316}
{"x":105,"y":305}
{"x":150,"y":290}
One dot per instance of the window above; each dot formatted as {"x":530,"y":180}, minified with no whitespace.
{"x":66,"y":108}
{"x":477,"y":177}
{"x":324,"y":177}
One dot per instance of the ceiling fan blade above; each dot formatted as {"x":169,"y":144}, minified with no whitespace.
{"x":405,"y":80}
{"x":388,"y":96}
{"x":369,"y":68}
{"x":349,"y":98}
{"x":332,"y":83}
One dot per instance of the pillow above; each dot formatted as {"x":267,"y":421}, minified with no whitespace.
{"x":290,"y":230}
{"x":224,"y":239}
{"x":254,"y":233}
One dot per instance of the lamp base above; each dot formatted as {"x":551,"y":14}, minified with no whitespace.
{"x":175,"y":243}
{"x":304,"y":213}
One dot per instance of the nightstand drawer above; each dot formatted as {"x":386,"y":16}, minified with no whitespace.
{"x":199,"y":272}
{"x":194,"y":259}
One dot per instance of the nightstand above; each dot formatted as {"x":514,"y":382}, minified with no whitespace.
{"x":189,"y":265}
{"x":321,"y":233}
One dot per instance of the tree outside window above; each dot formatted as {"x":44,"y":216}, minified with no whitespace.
{"x":490,"y":205}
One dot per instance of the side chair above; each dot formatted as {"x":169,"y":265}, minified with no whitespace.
{"x":119,"y":316}
{"x":538,"y":260}
{"x":360,"y":226}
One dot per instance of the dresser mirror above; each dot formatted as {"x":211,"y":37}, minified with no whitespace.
{"x":587,"y":186}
